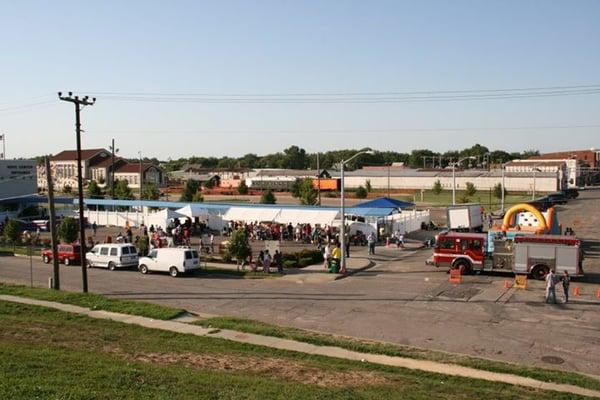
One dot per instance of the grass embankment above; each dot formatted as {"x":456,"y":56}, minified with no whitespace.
{"x":94,"y":302}
{"x":50,"y":354}
{"x":261,"y":328}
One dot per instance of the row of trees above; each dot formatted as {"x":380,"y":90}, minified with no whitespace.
{"x":295,"y":157}
{"x":68,"y":231}
{"x":122,"y":191}
{"x":470,"y":190}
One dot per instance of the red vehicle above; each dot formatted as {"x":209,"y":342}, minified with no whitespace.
{"x":67,"y":254}
{"x":525,"y":254}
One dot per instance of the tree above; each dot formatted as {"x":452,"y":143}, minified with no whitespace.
{"x":295,"y":158}
{"x":67,"y":189}
{"x":498,"y":191}
{"x":94,"y":190}
{"x":368,"y":186}
{"x":305,"y":191}
{"x":361,"y":192}
{"x":437,"y":187}
{"x":470,"y":189}
{"x":197,"y":198}
{"x":122,"y":190}
{"x":191,"y":188}
{"x":150,"y":192}
{"x":13,"y":231}
{"x":68,"y":230}
{"x":268,"y":197}
{"x":243,"y":188}
{"x":415,"y":160}
{"x":238,"y":246}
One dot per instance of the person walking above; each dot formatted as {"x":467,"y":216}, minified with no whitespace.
{"x":401,"y":240}
{"x":212,"y":243}
{"x":266,"y":262}
{"x":94,"y":228}
{"x":551,"y":287}
{"x":566,"y":281}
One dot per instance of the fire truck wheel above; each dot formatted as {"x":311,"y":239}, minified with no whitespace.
{"x":539,"y":272}
{"x":463,"y":266}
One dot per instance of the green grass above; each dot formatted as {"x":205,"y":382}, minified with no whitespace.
{"x":482,"y":197}
{"x":94,"y":301}
{"x":21,"y":250}
{"x":261,"y":328}
{"x":49,"y":354}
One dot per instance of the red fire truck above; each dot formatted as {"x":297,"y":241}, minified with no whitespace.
{"x":526,"y":254}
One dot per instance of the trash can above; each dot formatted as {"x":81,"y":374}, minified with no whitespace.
{"x":334,"y":265}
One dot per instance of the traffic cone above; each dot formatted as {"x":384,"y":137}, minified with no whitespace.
{"x":506,"y":285}
{"x":598,"y":293}
{"x":577,"y":291}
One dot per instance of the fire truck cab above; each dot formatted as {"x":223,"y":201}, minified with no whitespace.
{"x":523,"y":254}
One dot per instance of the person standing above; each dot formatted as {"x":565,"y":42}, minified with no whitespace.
{"x":566,"y":281}
{"x":326,"y":255}
{"x":551,"y":287}
{"x":401,"y":240}
{"x":371,"y":243}
{"x":94,"y":228}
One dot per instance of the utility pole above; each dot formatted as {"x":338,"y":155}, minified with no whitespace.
{"x":52,"y":222}
{"x":79,"y":102}
{"x":389,"y":176}
{"x":319,"y":178}
{"x":3,"y":138}
{"x":113,"y":151}
{"x":141,"y":174}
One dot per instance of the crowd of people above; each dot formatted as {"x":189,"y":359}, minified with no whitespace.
{"x":305,"y":233}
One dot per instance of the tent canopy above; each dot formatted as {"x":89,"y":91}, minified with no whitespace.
{"x":251,"y":214}
{"x":310,"y":216}
{"x":161,"y":218}
{"x":385,"y":202}
{"x":193,"y":211}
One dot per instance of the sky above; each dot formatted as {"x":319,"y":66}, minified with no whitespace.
{"x":259,"y":48}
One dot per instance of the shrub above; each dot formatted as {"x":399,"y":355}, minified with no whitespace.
{"x":305,"y":262}
{"x":498,"y":191}
{"x":289,"y":264}
{"x":143,"y":245}
{"x":463,"y":198}
{"x":361,"y":192}
{"x":13,"y":231}
{"x":242,"y":188}
{"x":437,"y":187}
{"x":471,"y":189}
{"x":268,"y":197}
{"x":227,"y":257}
{"x":68,"y":230}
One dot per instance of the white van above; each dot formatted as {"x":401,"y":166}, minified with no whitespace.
{"x":174,"y":260}
{"x":112,"y":255}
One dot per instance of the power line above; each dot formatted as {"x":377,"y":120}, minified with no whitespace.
{"x":330,"y":131}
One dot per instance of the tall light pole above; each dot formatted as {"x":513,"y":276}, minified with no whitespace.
{"x":318,"y":178}
{"x":343,"y":208}
{"x":503,"y":187}
{"x":141,"y":174}
{"x":113,"y":151}
{"x":79,"y":102}
{"x":3,"y":138}
{"x":454,"y":176}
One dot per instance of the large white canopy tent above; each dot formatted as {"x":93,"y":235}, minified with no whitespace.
{"x":324,"y":216}
{"x":162,"y":218}
{"x":193,"y":211}
{"x":251,"y":214}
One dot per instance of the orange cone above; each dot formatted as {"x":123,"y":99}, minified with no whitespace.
{"x":577,"y":291}
{"x":598,"y":293}
{"x":506,"y":285}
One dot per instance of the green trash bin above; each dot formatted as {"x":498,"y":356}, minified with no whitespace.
{"x":334,"y":265}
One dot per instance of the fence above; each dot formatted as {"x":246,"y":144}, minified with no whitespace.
{"x":408,"y":221}
{"x":114,"y":218}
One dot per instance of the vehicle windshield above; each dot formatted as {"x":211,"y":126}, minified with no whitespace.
{"x":152,"y":254}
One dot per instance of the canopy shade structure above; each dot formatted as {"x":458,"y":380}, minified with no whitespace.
{"x":385,"y":202}
{"x":322,"y":217}
{"x":162,"y":218}
{"x":251,"y":214}
{"x":371,"y":211}
{"x":193,"y":211}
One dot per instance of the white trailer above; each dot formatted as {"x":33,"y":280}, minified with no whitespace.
{"x":465,"y":218}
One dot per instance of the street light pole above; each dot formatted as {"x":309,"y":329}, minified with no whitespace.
{"x":343,"y":209}
{"x":78,"y":102}
{"x":502,"y":196}
{"x":141,"y":174}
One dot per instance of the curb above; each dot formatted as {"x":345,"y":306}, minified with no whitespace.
{"x":351,"y":272}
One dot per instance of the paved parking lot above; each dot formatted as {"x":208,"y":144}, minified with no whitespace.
{"x":399,"y":300}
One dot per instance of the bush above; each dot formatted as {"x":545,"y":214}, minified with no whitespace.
{"x":13,"y":231}
{"x":498,"y":191}
{"x":67,"y":189}
{"x":289,"y":264}
{"x":437,"y":187}
{"x":227,"y":257}
{"x":305,"y":262}
{"x":242,"y":188}
{"x":268,"y":197}
{"x":463,"y":198}
{"x":361,"y":192}
{"x":315,"y":255}
{"x":143,"y":245}
{"x":471,"y":189}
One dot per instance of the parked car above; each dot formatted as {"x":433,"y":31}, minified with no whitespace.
{"x":67,"y":254}
{"x":174,"y":260}
{"x":112,"y":255}
{"x":571,"y":193}
{"x":557,"y":198}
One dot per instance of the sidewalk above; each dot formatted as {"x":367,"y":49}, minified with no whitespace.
{"x":328,"y":351}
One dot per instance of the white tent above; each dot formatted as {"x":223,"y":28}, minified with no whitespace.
{"x":193,"y":211}
{"x":323,"y":217}
{"x":162,"y":218}
{"x":250,"y":214}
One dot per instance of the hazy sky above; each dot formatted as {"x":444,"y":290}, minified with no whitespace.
{"x":297,"y":47}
